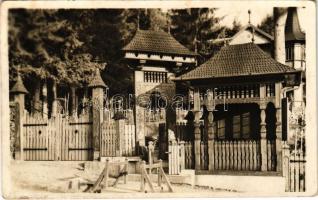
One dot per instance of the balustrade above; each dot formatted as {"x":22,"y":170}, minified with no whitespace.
{"x":155,"y":77}
{"x":238,"y":92}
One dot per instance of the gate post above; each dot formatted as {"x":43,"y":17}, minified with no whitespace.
{"x":19,"y":92}
{"x":197,"y":132}
{"x":120,"y":134}
{"x":97,"y":84}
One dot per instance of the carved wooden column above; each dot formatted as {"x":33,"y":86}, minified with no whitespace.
{"x":19,"y":92}
{"x":263,"y":132}
{"x":211,"y":132}
{"x":211,"y":137}
{"x":278,"y":106}
{"x":97,"y":85}
{"x":197,"y":132}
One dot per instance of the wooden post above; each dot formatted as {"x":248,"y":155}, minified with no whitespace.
{"x":211,"y":136}
{"x":19,"y":91}
{"x":97,"y":85}
{"x":151,"y":149}
{"x":120,"y":133}
{"x":262,"y":93}
{"x":126,"y":170}
{"x":19,"y":98}
{"x":159,"y":173}
{"x":285,"y":158}
{"x":106,"y":174}
{"x":197,"y":132}
{"x":278,"y":106}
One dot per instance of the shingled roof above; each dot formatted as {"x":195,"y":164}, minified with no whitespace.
{"x":237,"y":60}
{"x":157,"y":42}
{"x":97,"y":81}
{"x":19,"y":86}
{"x":293,"y":31}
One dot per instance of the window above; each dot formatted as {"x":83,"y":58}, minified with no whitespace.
{"x":155,"y":77}
{"x":303,"y":52}
{"x":236,"y":127}
{"x":221,"y":129}
{"x":245,"y":125}
{"x":289,"y":53}
{"x":241,"y":126}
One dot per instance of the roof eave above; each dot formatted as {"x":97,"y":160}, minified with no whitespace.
{"x":180,"y":78}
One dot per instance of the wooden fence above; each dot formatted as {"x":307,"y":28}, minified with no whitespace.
{"x":294,"y":165}
{"x":110,"y":140}
{"x":71,"y":138}
{"x":226,"y":155}
{"x":236,"y":155}
{"x":180,"y":156}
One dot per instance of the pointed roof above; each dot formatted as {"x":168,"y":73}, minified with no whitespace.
{"x":237,"y":60}
{"x":19,"y":86}
{"x":157,"y":42}
{"x":293,"y":31}
{"x":97,"y":81}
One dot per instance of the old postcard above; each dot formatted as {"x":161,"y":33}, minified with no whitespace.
{"x":134,"y":99}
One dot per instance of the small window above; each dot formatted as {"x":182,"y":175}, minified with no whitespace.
{"x":221,"y":129}
{"x":155,"y":77}
{"x":236,"y":127}
{"x":289,"y":53}
{"x":246,"y":125}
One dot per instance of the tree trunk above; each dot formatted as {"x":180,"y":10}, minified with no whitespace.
{"x":54,"y":102}
{"x":74,"y":104}
{"x":280,"y":15}
{"x":44,"y":100}
{"x":36,"y":99}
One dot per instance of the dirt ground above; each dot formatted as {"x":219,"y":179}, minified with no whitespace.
{"x":40,"y":178}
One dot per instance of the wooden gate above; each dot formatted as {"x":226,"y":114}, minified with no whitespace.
{"x":76,"y":139}
{"x":57,"y":138}
{"x":39,"y":136}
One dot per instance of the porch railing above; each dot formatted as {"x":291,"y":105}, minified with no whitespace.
{"x":226,"y":155}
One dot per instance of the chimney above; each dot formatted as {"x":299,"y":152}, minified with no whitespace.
{"x":280,"y":15}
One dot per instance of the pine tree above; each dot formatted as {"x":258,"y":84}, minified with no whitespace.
{"x":267,"y":25}
{"x":194,"y":27}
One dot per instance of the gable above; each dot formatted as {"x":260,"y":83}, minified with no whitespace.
{"x":246,"y":35}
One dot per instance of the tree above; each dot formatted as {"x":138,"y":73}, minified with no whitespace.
{"x":267,"y":25}
{"x":46,"y":46}
{"x":194,"y":27}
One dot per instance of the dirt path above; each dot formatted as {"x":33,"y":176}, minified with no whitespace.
{"x":40,"y":178}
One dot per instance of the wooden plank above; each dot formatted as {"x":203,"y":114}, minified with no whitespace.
{"x":235,"y":152}
{"x":239,"y":155}
{"x":227,"y":155}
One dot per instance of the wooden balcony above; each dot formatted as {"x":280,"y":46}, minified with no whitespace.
{"x":238,"y":94}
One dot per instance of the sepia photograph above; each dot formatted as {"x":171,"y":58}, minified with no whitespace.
{"x":143,"y":99}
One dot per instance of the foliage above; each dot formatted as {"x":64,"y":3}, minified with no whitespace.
{"x":195,"y":27}
{"x":267,"y":25}
{"x":64,"y":45}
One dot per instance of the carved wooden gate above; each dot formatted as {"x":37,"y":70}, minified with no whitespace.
{"x":57,"y":138}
